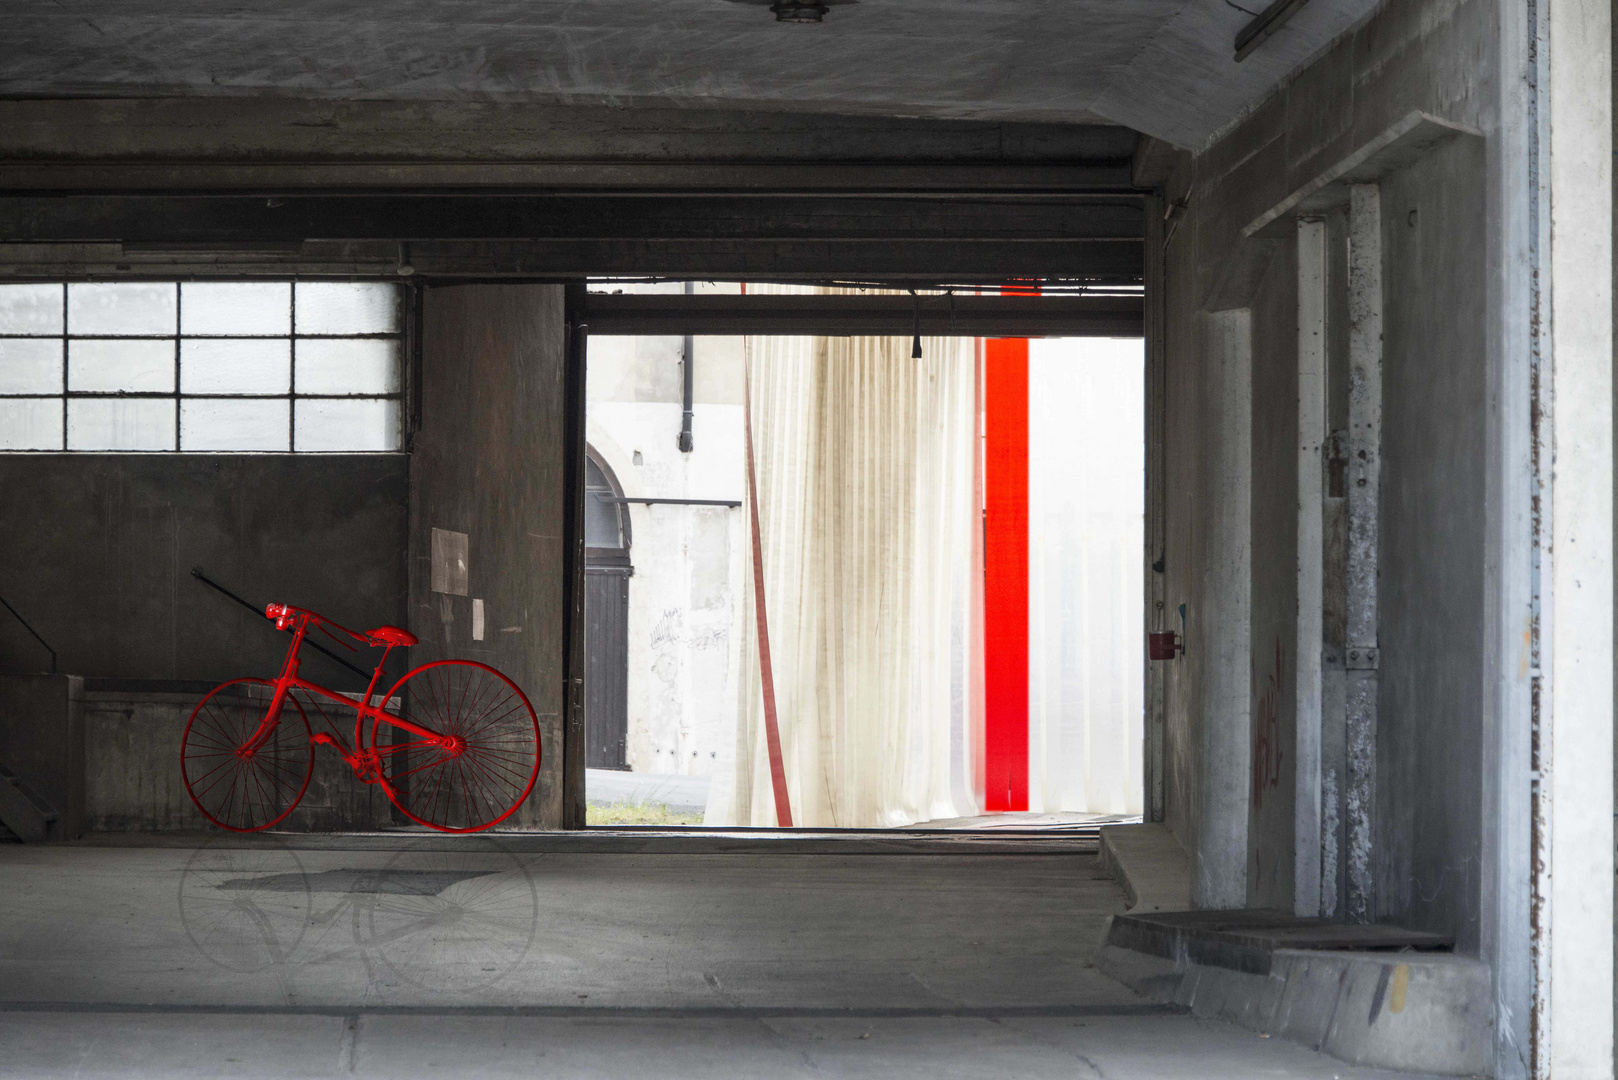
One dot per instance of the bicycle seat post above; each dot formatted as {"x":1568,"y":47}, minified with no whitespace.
{"x":377,"y":675}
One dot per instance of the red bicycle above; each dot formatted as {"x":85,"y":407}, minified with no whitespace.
{"x":454,"y":743}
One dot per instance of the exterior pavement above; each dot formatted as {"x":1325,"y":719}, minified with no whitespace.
{"x":492,"y":957}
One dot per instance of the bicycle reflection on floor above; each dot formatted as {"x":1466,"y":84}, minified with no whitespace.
{"x":445,"y":922}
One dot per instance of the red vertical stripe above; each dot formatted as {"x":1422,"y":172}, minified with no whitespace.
{"x":766,"y":668}
{"x":1005,"y":575}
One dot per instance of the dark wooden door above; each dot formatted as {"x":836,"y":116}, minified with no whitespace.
{"x":606,"y":666}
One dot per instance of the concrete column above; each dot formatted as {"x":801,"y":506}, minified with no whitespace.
{"x":1573,"y":838}
{"x":1364,"y":482}
{"x":1306,"y":884}
{"x":489,"y":462}
{"x":1224,"y":625}
{"x":1156,"y":576}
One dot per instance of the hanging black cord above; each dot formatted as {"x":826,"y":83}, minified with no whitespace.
{"x":255,"y":609}
{"x":32,"y":631}
{"x":915,"y":329}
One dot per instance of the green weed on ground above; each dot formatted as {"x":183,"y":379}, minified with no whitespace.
{"x":639,"y":814}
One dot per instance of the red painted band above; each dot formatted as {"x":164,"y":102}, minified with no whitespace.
{"x":1005,"y":575}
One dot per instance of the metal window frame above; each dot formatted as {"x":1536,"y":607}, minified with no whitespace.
{"x":405,"y":397}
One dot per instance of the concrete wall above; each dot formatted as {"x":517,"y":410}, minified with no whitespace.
{"x":131,"y":766}
{"x":99,"y":550}
{"x":1274,"y":522}
{"x":42,"y":742}
{"x":1411,"y":56}
{"x":1435,"y":394}
{"x":488,"y":462}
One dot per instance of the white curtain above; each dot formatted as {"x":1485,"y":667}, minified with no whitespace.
{"x":865,"y":462}
{"x":1086,"y":481}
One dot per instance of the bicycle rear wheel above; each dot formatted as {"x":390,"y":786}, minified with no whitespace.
{"x":237,"y":790}
{"x":486,"y":757}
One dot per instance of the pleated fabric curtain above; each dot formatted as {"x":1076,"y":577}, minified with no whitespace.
{"x":1086,"y":480}
{"x":865,"y":469}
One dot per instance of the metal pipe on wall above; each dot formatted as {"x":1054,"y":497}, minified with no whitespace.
{"x":688,"y":373}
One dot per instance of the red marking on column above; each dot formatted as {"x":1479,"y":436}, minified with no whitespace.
{"x":1005,"y":575}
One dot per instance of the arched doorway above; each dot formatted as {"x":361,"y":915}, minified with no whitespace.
{"x":607,"y":570}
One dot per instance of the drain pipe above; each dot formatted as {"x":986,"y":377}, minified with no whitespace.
{"x":690,"y":385}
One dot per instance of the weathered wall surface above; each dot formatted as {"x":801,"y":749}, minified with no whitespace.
{"x":1272,"y":732}
{"x":42,"y":742}
{"x":488,"y":462}
{"x":1412,"y":56}
{"x":132,"y":779}
{"x":99,"y":550}
{"x":687,"y":559}
{"x":1434,"y":398}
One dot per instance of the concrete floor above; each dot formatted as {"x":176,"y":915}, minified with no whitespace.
{"x":517,"y":957}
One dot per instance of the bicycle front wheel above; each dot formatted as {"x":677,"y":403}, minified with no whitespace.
{"x":241,"y":789}
{"x":484,"y":758}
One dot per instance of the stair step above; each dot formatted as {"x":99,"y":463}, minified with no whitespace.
{"x":45,"y":809}
{"x":23,"y":812}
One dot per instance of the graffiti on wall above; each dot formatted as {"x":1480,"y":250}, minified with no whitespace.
{"x":1267,"y":731}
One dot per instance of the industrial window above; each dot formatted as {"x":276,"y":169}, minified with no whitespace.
{"x":200,"y":366}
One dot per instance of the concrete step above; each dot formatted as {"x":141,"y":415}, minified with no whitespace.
{"x":1371,"y":995}
{"x":22,"y":811}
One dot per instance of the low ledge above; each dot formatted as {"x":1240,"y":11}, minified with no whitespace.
{"x":1149,"y":864}
{"x":1246,"y":940}
{"x":1387,"y":1006}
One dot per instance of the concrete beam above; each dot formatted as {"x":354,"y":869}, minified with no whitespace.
{"x":256,"y":220}
{"x":989,"y":263}
{"x":1413,"y":136}
{"x":931,"y":315}
{"x":297,"y":144}
{"x":977,"y":239}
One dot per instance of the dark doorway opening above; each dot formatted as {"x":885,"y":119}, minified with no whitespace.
{"x":607,"y":570}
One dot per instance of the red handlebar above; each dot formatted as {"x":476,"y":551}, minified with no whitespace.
{"x":284,"y":615}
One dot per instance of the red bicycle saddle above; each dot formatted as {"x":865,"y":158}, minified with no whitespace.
{"x":392,"y":635}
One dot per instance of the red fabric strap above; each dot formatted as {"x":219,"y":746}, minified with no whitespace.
{"x":772,"y":731}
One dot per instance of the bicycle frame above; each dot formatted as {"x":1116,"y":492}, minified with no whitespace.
{"x":366,"y":764}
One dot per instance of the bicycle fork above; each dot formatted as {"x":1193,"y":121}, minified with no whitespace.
{"x":272,"y":715}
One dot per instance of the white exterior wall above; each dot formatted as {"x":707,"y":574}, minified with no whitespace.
{"x":683,"y":594}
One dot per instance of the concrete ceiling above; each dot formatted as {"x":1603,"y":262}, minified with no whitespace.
{"x":1163,"y":67}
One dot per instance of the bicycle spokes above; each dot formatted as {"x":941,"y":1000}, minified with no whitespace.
{"x":482,"y":757}
{"x":243,"y":773}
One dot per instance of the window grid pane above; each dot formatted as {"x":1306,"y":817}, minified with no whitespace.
{"x":254,"y":367}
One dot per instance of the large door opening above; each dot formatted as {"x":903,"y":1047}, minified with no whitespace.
{"x":852,"y":483}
